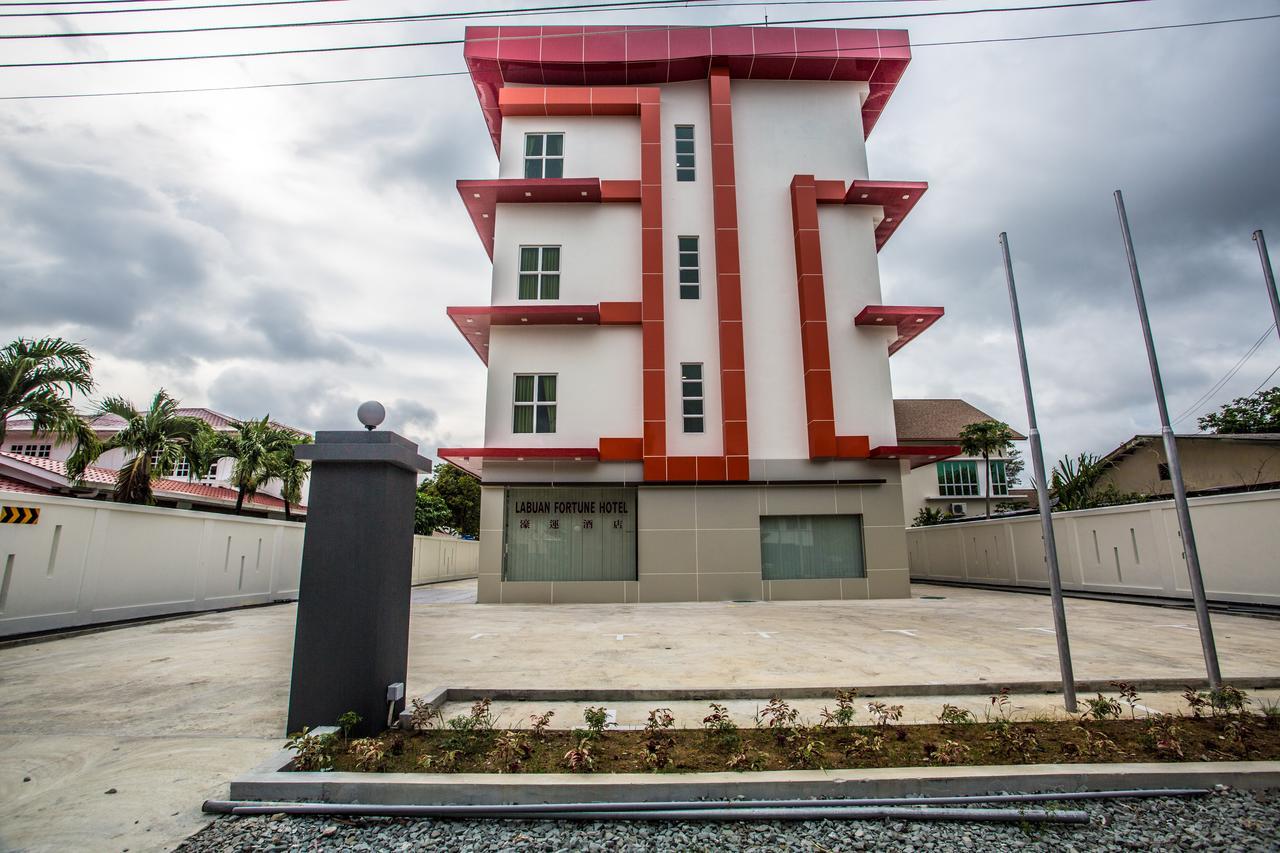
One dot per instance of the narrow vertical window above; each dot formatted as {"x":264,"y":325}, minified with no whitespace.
{"x":999,"y":478}
{"x":690,"y":275}
{"x":539,"y":272}
{"x":684,"y":152}
{"x":691,"y":396}
{"x":544,"y":155}
{"x":535,"y":403}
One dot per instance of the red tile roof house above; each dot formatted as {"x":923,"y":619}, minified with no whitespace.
{"x":35,"y":463}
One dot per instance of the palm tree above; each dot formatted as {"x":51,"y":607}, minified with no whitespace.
{"x":292,"y":472}
{"x":985,"y":438}
{"x":257,"y":447}
{"x":1073,"y":480}
{"x":157,"y":439}
{"x":38,"y":379}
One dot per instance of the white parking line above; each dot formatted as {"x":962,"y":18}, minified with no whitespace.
{"x":900,"y":631}
{"x":619,"y":637}
{"x":1183,"y":627}
{"x":1041,"y":630}
{"x":478,"y":636}
{"x":768,"y":635}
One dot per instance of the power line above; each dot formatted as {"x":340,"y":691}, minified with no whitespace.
{"x":1001,"y":40}
{"x":1221,"y":383}
{"x":153,"y":8}
{"x":441,"y":42}
{"x":1268,"y":379}
{"x":221,"y":6}
{"x":577,"y":8}
{"x":619,"y":5}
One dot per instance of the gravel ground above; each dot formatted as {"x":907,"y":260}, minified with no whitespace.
{"x":1227,"y":820}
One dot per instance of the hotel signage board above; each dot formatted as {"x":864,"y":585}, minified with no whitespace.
{"x":570,"y":534}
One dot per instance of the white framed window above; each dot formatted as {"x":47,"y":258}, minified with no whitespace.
{"x":958,"y":479}
{"x":544,"y":155}
{"x":212,"y":473}
{"x":39,"y":451}
{"x":684,"y":152}
{"x":691,"y":397}
{"x":999,"y":478}
{"x":535,"y":403}
{"x":539,"y":272}
{"x":690,"y":268}
{"x":182,"y":469}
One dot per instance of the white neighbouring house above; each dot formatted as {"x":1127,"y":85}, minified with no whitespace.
{"x":956,"y":485}
{"x":687,"y":349}
{"x":36,"y":463}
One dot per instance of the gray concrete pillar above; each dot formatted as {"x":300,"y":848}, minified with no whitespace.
{"x":352,"y":636}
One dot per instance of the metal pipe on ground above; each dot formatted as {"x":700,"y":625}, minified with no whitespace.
{"x":812,"y":812}
{"x":228,"y":806}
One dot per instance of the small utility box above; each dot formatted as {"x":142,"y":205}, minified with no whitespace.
{"x":352,"y":637}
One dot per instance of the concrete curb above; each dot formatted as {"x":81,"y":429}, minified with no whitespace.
{"x":267,"y":783}
{"x":438,"y":696}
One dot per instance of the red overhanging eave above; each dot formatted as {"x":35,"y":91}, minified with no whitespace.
{"x":476,"y":321}
{"x":897,"y":198}
{"x":909,"y":320}
{"x":917,"y":455}
{"x":651,"y":55}
{"x":483,"y":197}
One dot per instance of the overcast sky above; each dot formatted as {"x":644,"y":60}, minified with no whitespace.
{"x":292,"y":251}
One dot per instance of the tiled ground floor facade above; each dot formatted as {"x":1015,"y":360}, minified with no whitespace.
{"x":668,"y":543}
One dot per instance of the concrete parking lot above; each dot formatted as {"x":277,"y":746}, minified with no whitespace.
{"x":111,"y":740}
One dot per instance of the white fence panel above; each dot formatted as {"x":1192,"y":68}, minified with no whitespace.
{"x":1134,"y":549}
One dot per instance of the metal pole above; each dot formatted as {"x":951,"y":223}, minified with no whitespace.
{"x":1175,"y":468}
{"x":1042,"y":495}
{"x":1269,"y":276}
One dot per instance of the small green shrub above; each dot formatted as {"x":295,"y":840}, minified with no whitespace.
{"x":951,"y":715}
{"x":313,"y":751}
{"x":884,"y":714}
{"x":369,"y":753}
{"x":512,"y":750}
{"x":539,"y":723}
{"x":423,"y":715}
{"x":947,"y":753}
{"x":579,"y":759}
{"x":845,"y":711}
{"x":1102,"y":708}
{"x":347,"y":722}
{"x":597,"y":719}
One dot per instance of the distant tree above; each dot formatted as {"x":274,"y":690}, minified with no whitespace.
{"x":460,"y":493}
{"x":38,"y":379}
{"x":155,"y":441}
{"x":1014,"y":465}
{"x":986,"y":439}
{"x":1074,"y":485}
{"x":1259,"y":412}
{"x":257,"y":446}
{"x":291,"y":471}
{"x":430,"y":513}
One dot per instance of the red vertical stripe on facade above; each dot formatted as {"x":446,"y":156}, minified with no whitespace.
{"x":733,"y":377}
{"x":819,"y":408}
{"x":651,"y":297}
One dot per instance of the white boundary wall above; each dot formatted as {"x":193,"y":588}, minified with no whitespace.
{"x":89,"y":562}
{"x":443,"y":558}
{"x":1134,"y":549}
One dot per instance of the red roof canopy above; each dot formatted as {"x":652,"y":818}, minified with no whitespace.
{"x":483,"y":197}
{"x":918,"y":455}
{"x":896,"y":197}
{"x":647,"y":55}
{"x":910,"y":320}
{"x":474,"y":321}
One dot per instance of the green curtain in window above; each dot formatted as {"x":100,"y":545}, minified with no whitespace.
{"x":555,"y":144}
{"x":529,"y":286}
{"x":523,"y":421}
{"x":533,"y":145}
{"x":524,"y":389}
{"x":546,"y":421}
{"x":804,"y":547}
{"x":550,"y":258}
{"x":546,"y":389}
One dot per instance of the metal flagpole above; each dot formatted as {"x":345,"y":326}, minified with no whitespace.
{"x":1269,"y":276}
{"x":1175,"y":467}
{"x":1042,"y":496}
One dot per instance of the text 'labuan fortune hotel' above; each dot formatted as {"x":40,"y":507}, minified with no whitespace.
{"x":688,"y":377}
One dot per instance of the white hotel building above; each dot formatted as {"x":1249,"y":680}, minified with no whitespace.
{"x":688,"y":355}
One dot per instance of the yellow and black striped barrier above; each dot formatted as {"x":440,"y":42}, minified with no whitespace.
{"x":19,"y":515}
